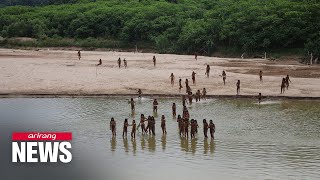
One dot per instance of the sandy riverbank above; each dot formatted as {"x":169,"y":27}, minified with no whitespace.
{"x":60,"y":72}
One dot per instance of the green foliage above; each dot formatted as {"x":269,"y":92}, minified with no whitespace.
{"x":182,"y":26}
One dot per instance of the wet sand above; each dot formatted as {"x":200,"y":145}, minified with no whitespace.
{"x":59,"y":72}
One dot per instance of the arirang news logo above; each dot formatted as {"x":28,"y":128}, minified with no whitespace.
{"x":41,"y":147}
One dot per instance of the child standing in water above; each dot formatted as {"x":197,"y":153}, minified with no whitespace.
{"x":163,"y":125}
{"x":174,"y":110}
{"x":224,"y":77}
{"x":260,"y":76}
{"x":153,"y":126}
{"x":125,"y":128}
{"x":155,"y":105}
{"x":212,"y":128}
{"x":197,"y":125}
{"x":172,"y":79}
{"x":154,"y":61}
{"x":79,"y":55}
{"x":180,"y":124}
{"x":142,"y":125}
{"x":193,"y":76}
{"x":207,"y":71}
{"x":133,"y":131}
{"x":132,"y":104}
{"x":186,"y":127}
{"x":193,"y":128}
{"x":205,"y":128}
{"x":204,"y":94}
{"x":125,"y":63}
{"x":113,"y":126}
{"x":119,"y":62}
{"x":238,"y":87}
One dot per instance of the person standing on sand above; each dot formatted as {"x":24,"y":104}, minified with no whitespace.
{"x":283,"y":85}
{"x":125,"y":63}
{"x":224,"y":77}
{"x":172,"y":79}
{"x":287,"y":81}
{"x":174,"y":110}
{"x":180,"y":85}
{"x":155,"y":105}
{"x":119,"y":62}
{"x":195,"y":55}
{"x":113,"y":126}
{"x":79,"y":55}
{"x":259,"y":98}
{"x":204,"y":94}
{"x":154,"y":61}
{"x":260,"y":76}
{"x":207,"y":71}
{"x":193,"y":75}
{"x":125,"y":128}
{"x":187,"y":85}
{"x":100,"y":62}
{"x":238,"y":87}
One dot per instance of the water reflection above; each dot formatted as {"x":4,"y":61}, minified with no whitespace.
{"x":134,"y":145}
{"x":125,"y":144}
{"x":184,"y":144}
{"x":163,"y":142}
{"x":113,"y":143}
{"x":212,"y":146}
{"x":193,"y":145}
{"x":151,"y":143}
{"x":143,"y":143}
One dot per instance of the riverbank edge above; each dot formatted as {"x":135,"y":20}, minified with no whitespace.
{"x":48,"y":95}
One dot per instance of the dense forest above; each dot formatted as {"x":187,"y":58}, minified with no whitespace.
{"x":172,"y":26}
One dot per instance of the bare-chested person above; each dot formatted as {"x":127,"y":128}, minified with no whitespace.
{"x":113,"y":126}
{"x":100,"y":62}
{"x":198,"y":96}
{"x":193,"y":76}
{"x":187,"y":85}
{"x":132,"y":103}
{"x":287,"y":81}
{"x":142,"y":125}
{"x":212,"y":128}
{"x":155,"y":105}
{"x":172,"y":79}
{"x":205,"y":128}
{"x":260,"y":76}
{"x":186,"y":127}
{"x":153,"y":125}
{"x":204,"y":94}
{"x":283,"y":85}
{"x":195,"y":55}
{"x":184,"y":100}
{"x":125,"y":63}
{"x":185,"y":113}
{"x":125,"y":128}
{"x":79,"y":55}
{"x":119,"y":62}
{"x":192,"y":128}
{"x":259,"y":98}
{"x":190,"y":97}
{"x":139,"y":93}
{"x":207,"y":71}
{"x":238,"y":87}
{"x":174,"y":110}
{"x":180,"y":125}
{"x":133,"y":131}
{"x":148,"y":128}
{"x":224,"y":77}
{"x":154,"y":61}
{"x":180,"y":84}
{"x":163,"y":125}
{"x":197,"y":126}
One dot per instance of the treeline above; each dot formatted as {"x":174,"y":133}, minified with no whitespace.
{"x":183,"y":26}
